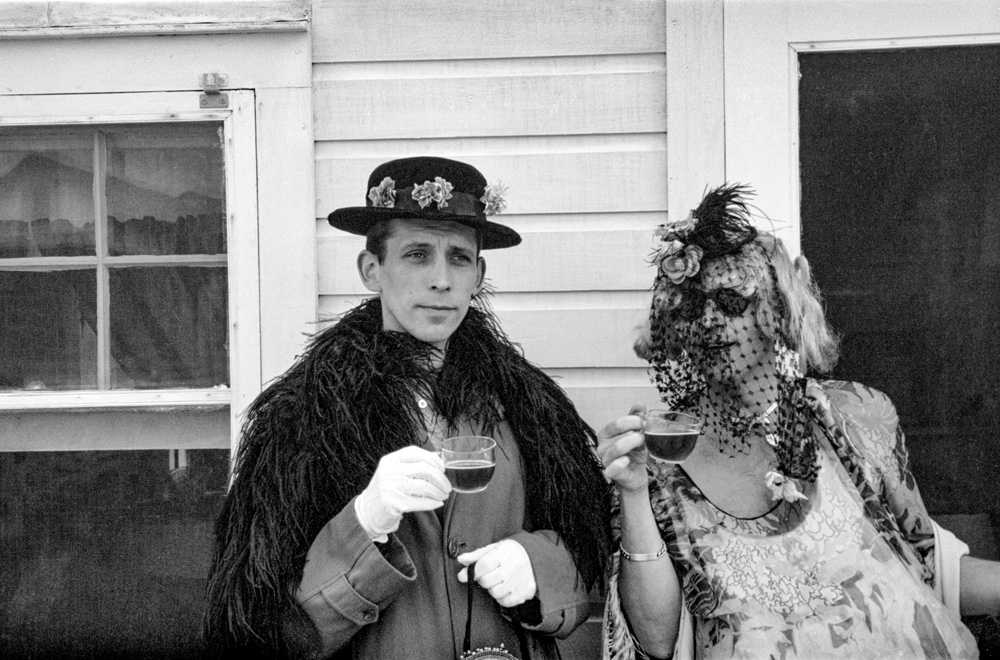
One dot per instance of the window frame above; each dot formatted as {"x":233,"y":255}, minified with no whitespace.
{"x":239,"y":129}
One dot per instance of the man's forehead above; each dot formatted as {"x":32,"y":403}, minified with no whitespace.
{"x":405,"y":231}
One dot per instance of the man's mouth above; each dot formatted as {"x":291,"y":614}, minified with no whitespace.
{"x":438,"y":308}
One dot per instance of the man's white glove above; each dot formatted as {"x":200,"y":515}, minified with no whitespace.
{"x":408,"y":479}
{"x":504,"y":569}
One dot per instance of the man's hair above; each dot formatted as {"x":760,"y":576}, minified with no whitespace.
{"x":381,"y":231}
{"x":789,"y":305}
{"x":376,"y":238}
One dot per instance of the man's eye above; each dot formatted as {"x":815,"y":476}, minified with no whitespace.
{"x":416,"y":254}
{"x":464,"y":258}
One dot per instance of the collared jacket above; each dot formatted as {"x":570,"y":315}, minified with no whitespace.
{"x":403,"y":599}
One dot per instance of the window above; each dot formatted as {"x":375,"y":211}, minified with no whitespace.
{"x":113,"y":257}
{"x":128,"y":260}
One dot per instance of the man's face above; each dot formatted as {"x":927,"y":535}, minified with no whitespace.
{"x":427,"y":280}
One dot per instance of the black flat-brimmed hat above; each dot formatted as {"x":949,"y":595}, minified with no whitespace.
{"x":430,"y":188}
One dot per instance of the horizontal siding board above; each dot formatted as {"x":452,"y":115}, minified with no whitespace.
{"x":491,"y":68}
{"x":119,"y":12}
{"x":102,"y":65}
{"x":575,"y":338}
{"x":627,"y":102}
{"x":396,"y":30}
{"x":599,"y":405}
{"x":545,"y":261}
{"x":606,"y":181}
{"x":24,"y":14}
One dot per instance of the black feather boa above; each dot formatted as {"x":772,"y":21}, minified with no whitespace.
{"x":312,"y":440}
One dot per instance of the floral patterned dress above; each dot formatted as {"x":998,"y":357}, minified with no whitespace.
{"x":842,"y":575}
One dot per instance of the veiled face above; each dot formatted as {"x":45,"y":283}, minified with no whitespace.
{"x":726,"y":349}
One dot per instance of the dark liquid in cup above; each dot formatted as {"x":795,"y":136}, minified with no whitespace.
{"x":469,"y":476}
{"x":670,"y":446}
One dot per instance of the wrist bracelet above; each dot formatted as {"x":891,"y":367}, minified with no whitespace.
{"x":643,"y":556}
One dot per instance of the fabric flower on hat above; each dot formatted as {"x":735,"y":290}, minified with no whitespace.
{"x":438,"y":191}
{"x":676,"y":230}
{"x":384,"y":194}
{"x":494,"y":198}
{"x":783,"y":488}
{"x":679,"y":261}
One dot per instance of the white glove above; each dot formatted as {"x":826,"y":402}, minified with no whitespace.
{"x":408,"y":479}
{"x":504,"y":569}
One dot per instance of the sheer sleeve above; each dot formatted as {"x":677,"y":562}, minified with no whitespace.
{"x":871,"y":425}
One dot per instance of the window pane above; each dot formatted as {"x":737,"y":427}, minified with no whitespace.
{"x":46,"y":193}
{"x":48,"y":330}
{"x":165,"y":190}
{"x":900,"y":220}
{"x":104,"y":554}
{"x":168,"y":327}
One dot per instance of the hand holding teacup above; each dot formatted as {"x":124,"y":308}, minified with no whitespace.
{"x":622,"y":450}
{"x":625,"y":444}
{"x":406,"y":480}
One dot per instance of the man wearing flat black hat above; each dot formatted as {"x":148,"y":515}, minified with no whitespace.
{"x":341,"y":536}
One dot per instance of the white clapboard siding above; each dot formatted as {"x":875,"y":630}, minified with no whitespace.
{"x":544,"y":261}
{"x":601,"y":395}
{"x":601,"y":180}
{"x":503,"y":105}
{"x":564,"y":103}
{"x":397,"y":30}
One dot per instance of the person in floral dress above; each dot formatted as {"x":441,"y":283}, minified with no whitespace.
{"x":795,"y":528}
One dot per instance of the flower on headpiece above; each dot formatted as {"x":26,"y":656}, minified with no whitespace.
{"x":671,"y":231}
{"x":438,"y":191}
{"x":678,"y":261}
{"x":783,"y":488}
{"x":493,"y":198}
{"x":384,"y":194}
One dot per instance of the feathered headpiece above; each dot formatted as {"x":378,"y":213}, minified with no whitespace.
{"x":720,"y":226}
{"x":722,"y":222}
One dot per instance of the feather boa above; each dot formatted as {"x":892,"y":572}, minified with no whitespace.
{"x":312,"y":440}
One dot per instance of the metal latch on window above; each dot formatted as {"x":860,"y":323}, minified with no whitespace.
{"x":212,"y":97}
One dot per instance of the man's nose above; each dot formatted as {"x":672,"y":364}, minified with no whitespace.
{"x":440,"y":275}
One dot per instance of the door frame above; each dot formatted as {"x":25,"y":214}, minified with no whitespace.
{"x":761,"y":44}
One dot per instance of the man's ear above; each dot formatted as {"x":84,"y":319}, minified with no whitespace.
{"x":482,"y":273}
{"x":368,"y":269}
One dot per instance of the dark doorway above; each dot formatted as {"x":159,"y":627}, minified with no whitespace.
{"x":900,"y":165}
